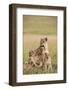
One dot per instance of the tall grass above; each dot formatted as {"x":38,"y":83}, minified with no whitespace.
{"x":33,"y":43}
{"x":35,"y":27}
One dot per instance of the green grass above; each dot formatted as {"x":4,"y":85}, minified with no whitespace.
{"x":40,"y":25}
{"x":35,"y":27}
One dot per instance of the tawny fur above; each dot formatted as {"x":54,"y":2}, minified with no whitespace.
{"x":41,"y":57}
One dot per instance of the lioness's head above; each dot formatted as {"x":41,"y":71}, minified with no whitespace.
{"x":43,"y":41}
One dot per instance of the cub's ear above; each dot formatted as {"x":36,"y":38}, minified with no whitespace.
{"x":41,"y":41}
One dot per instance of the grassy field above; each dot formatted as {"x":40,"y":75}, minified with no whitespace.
{"x":34,"y":29}
{"x":44,"y":25}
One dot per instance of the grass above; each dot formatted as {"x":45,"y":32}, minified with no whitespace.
{"x":32,"y":42}
{"x":36,"y":27}
{"x":40,"y":25}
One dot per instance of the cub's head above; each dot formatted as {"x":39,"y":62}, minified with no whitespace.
{"x":31,"y":53}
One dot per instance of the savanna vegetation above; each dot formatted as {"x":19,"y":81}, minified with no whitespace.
{"x":36,"y":27}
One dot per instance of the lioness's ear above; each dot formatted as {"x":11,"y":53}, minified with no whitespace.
{"x":46,"y":39}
